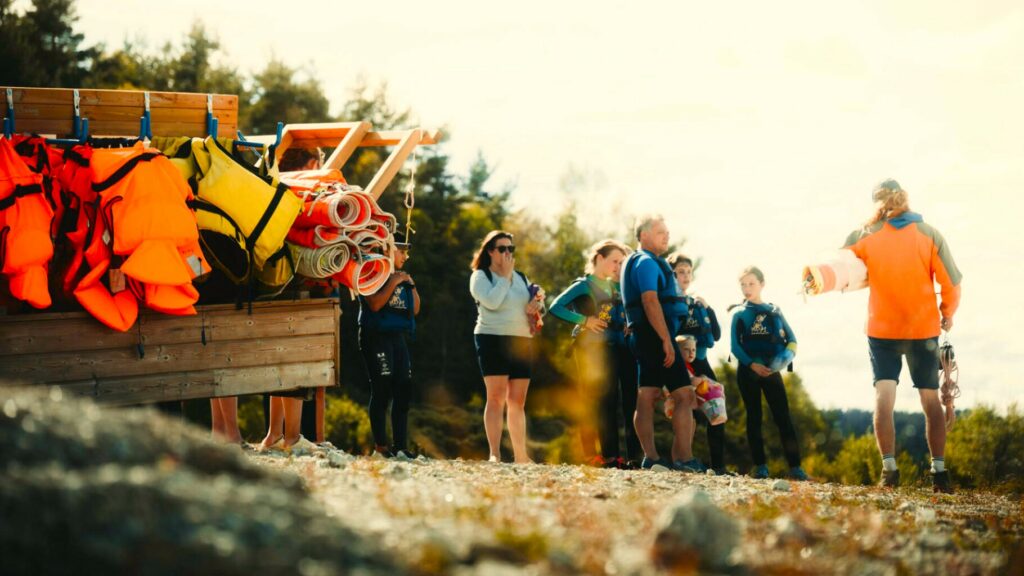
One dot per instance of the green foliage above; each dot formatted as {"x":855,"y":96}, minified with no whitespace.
{"x":347,"y":425}
{"x":39,"y":47}
{"x":986,"y":450}
{"x":251,"y":419}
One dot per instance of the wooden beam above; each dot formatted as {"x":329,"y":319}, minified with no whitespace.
{"x":343,"y":151}
{"x":393,"y":164}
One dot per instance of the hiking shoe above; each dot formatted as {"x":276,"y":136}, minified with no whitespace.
{"x":759,"y":472}
{"x":380,"y":453}
{"x":940,"y":482}
{"x":659,"y":465}
{"x":890,"y":479}
{"x":797,"y":473}
{"x":691,"y":466}
{"x":630,"y":465}
{"x":723,"y":471}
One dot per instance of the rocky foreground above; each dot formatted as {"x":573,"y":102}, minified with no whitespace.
{"x":478,"y":517}
{"x":89,"y":490}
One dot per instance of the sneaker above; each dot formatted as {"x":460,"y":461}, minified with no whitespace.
{"x":691,"y":466}
{"x":940,"y":482}
{"x":596,"y":461}
{"x":616,"y":463}
{"x":759,"y":472}
{"x":723,"y":472}
{"x":382,"y":453}
{"x":890,"y":479}
{"x":797,"y":473}
{"x":404,"y":454}
{"x":659,"y":465}
{"x":494,"y":458}
{"x":631,"y":465}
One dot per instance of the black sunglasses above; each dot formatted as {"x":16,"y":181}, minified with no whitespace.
{"x":502,"y":249}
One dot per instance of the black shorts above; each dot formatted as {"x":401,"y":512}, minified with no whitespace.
{"x":650,"y":362}
{"x":922,"y":359}
{"x":510,"y":356}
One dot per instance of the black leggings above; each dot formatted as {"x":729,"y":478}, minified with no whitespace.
{"x":751,"y":385}
{"x":387,"y":362}
{"x":623,"y":389}
{"x":716,"y":434}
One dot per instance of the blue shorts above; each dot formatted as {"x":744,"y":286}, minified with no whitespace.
{"x":650,"y":362}
{"x":922,"y":359}
{"x":510,"y":356}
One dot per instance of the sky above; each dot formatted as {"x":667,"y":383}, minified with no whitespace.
{"x":757,"y":129}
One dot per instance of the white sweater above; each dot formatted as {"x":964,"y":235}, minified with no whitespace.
{"x":501,"y":304}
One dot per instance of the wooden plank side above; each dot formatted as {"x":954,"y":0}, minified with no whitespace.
{"x":204,"y":384}
{"x":159,"y":359}
{"x":117,"y":112}
{"x":82,"y":334}
{"x":65,"y":96}
{"x":257,"y":308}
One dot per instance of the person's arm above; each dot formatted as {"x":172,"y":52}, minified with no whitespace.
{"x":489,"y":295}
{"x":380,"y":298}
{"x":737,"y":347}
{"x":716,"y":329}
{"x":560,"y":307}
{"x":415,"y":299}
{"x":948,"y":276}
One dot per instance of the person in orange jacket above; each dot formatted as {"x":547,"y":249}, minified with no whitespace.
{"x":905,"y":257}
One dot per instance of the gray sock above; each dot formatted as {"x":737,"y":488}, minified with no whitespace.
{"x":938,"y":464}
{"x":889,"y":463}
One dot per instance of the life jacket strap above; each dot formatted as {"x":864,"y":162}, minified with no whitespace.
{"x":20,"y":191}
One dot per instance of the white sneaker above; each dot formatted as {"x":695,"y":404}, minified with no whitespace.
{"x":494,"y":458}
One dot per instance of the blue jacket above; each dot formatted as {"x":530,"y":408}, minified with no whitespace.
{"x":702,"y":324}
{"x":645,"y":272}
{"x":395,"y":316}
{"x":760,"y":333}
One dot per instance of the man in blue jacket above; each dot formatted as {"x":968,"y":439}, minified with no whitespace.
{"x":654,"y":304}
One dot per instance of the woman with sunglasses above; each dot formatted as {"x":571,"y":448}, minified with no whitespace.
{"x":506,"y":303}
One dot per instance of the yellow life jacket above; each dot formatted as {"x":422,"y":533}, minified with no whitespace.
{"x":243,"y":219}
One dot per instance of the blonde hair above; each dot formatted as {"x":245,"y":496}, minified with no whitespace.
{"x":686,"y":338}
{"x":604,"y":248}
{"x":890,"y":201}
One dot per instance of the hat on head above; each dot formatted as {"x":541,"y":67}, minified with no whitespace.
{"x":885,"y":188}
{"x":400,"y":240}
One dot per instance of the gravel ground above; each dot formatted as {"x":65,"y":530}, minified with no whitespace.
{"x":478,"y":517}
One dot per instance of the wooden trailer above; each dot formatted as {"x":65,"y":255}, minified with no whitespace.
{"x":281,"y":345}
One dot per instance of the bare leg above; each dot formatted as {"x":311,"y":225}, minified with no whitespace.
{"x":885,"y":429}
{"x":229,"y":419}
{"x":494,"y":412}
{"x":516,"y":403}
{"x":275,"y":430}
{"x":935,"y":422}
{"x":216,"y":419}
{"x":292,"y":408}
{"x":644,"y":420}
{"x":683,"y":424}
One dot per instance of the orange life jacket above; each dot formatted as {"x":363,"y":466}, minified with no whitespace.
{"x":145,"y":231}
{"x":25,"y":219}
